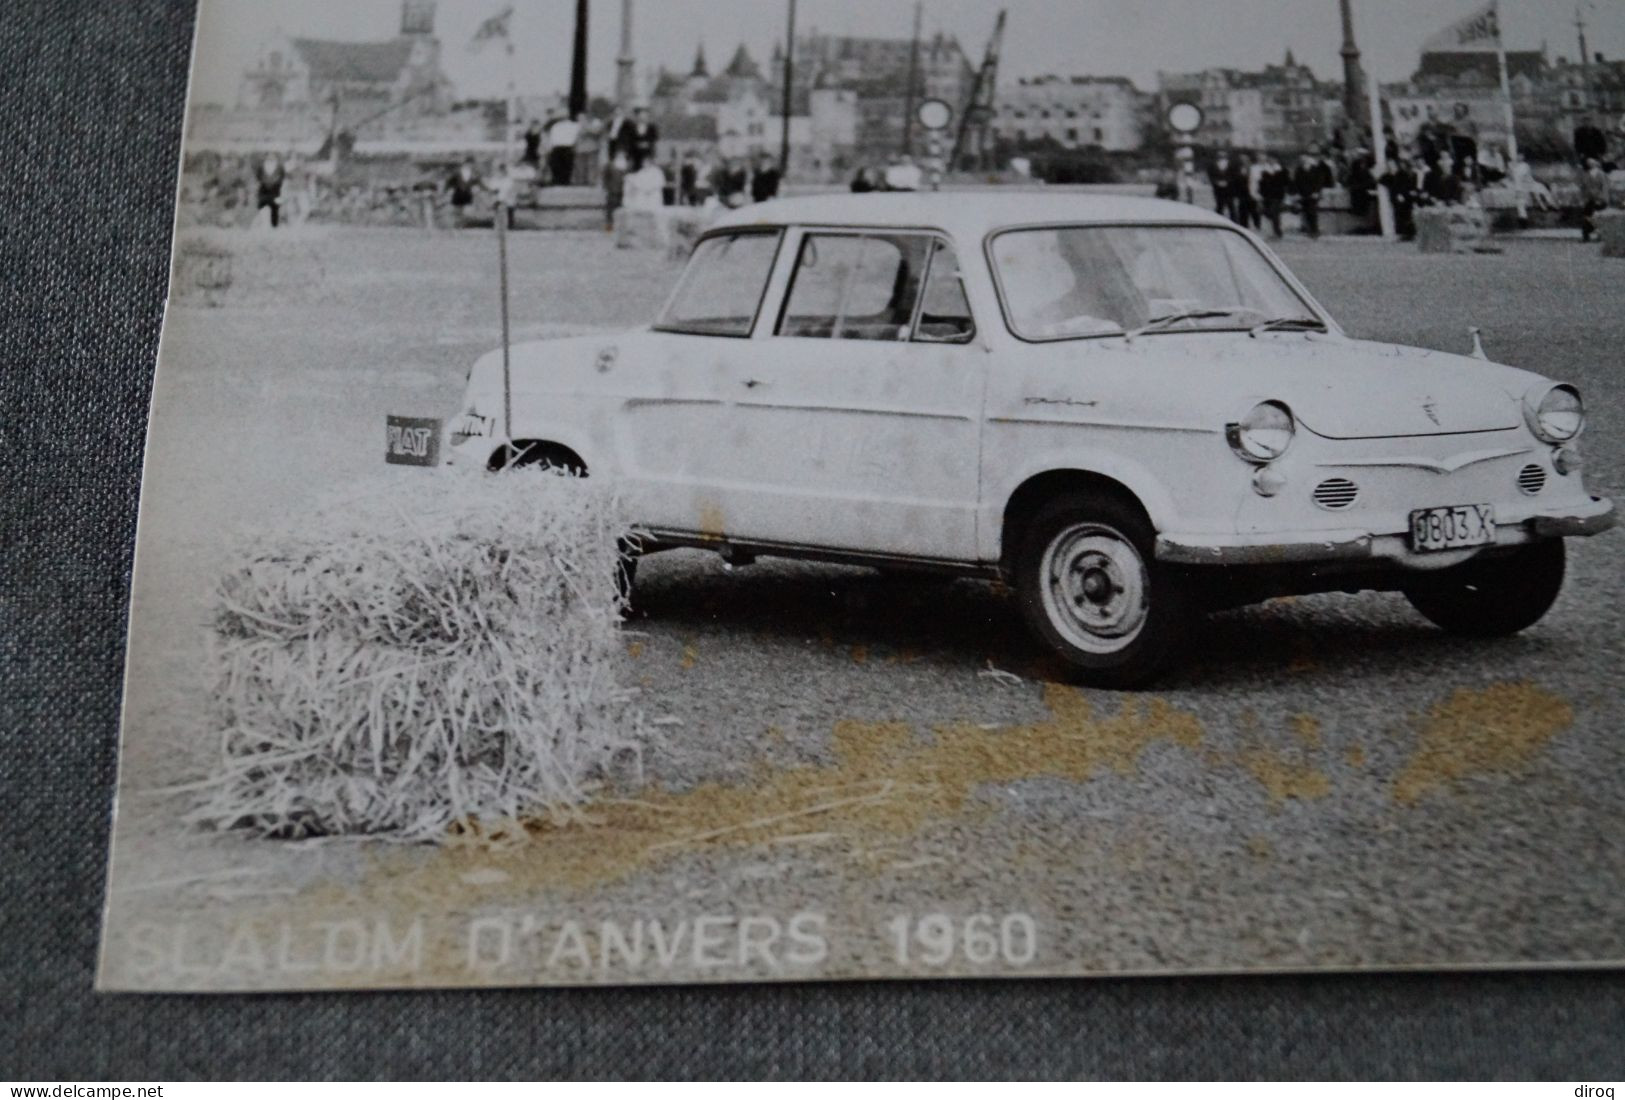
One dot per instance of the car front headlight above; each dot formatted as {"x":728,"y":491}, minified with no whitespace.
{"x":1264,"y":434}
{"x":1554,"y":413}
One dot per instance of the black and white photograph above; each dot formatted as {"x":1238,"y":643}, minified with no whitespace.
{"x":653,"y":492}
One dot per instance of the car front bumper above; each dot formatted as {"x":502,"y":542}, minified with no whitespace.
{"x":1352,"y":544}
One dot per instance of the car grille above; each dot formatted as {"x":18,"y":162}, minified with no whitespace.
{"x":1532,"y":479}
{"x":1336,"y":493}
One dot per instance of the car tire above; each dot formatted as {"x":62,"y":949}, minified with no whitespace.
{"x":1092,"y":590}
{"x":1494,"y":597}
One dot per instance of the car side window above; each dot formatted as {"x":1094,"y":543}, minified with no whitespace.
{"x":945,"y":316}
{"x":849,"y":286}
{"x":722,"y":287}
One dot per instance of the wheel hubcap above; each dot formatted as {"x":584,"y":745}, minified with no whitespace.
{"x":1096,"y":588}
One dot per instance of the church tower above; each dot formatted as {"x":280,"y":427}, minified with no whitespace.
{"x":417,"y":18}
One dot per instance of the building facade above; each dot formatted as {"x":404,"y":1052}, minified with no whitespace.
{"x":739,"y":113}
{"x":1281,"y":108}
{"x":874,"y":75}
{"x":1460,"y":92}
{"x":298,"y":93}
{"x":1074,"y":112}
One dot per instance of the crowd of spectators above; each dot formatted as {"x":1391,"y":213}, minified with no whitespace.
{"x":1444,"y":166}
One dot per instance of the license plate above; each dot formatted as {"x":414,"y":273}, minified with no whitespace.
{"x":1452,"y":528}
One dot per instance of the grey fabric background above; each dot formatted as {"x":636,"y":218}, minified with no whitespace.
{"x":91,"y":98}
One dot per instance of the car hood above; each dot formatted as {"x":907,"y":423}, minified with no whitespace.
{"x":1357,"y":389}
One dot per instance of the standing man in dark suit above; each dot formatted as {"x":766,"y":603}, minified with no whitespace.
{"x":1312,"y":177}
{"x":269,"y":176}
{"x":533,"y":146}
{"x":613,"y":132}
{"x":464,"y":185}
{"x":1590,"y":143}
{"x":730,"y":182}
{"x":1401,"y":183}
{"x":764,"y":185}
{"x":1273,"y":184}
{"x":638,"y":139}
{"x":1218,"y":177}
{"x":1242,"y":207}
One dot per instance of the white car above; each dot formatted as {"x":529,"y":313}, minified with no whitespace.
{"x":1127,"y":409}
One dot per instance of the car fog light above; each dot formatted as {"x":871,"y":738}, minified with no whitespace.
{"x":1268,"y":482}
{"x":1566,"y":460}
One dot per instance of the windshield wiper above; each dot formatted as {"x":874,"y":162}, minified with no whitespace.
{"x":1288,"y":324}
{"x":1157,"y":324}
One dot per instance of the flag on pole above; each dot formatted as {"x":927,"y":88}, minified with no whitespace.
{"x":492,"y":30}
{"x":1478,"y":32}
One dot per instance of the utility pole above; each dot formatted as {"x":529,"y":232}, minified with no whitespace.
{"x":789,"y":85}
{"x":626,"y":79}
{"x":913,"y":79}
{"x":578,"y":63}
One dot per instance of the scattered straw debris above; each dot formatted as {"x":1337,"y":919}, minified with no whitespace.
{"x":1498,"y":729}
{"x":428,"y":654}
{"x":1306,"y":728}
{"x":887,"y":782}
{"x":999,"y":676}
{"x":1284,"y":778}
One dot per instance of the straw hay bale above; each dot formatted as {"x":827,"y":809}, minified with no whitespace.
{"x":431,"y":654}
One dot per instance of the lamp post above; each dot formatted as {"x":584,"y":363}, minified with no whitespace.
{"x":789,"y":81}
{"x":913,"y":79}
{"x":578,"y":63}
{"x":626,"y":89}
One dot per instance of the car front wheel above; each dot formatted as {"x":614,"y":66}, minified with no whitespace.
{"x":1091,"y":589}
{"x":1494,"y":597}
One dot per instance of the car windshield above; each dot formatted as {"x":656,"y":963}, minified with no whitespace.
{"x":1071,"y":282}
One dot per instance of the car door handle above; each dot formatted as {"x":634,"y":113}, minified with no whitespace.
{"x":752,"y":383}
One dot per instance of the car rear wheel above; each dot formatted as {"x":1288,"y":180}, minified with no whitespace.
{"x":1092,"y":590}
{"x":1494,"y":597}
{"x":564,"y":462}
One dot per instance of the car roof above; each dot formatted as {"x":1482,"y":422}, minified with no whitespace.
{"x":967,"y":215}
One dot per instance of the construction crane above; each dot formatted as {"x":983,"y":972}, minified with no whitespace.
{"x":980,"y":106}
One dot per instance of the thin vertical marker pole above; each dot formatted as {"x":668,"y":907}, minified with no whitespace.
{"x":507,"y":370}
